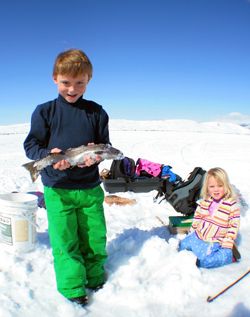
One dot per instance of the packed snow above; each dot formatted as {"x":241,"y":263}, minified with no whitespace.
{"x":147,"y":276}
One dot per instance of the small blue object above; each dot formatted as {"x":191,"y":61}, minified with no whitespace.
{"x":167,"y":173}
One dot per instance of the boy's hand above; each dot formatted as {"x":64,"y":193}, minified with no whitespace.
{"x":88,"y":161}
{"x":61,"y":165}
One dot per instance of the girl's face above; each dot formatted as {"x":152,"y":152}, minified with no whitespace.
{"x":71,"y":88}
{"x":215,"y":189}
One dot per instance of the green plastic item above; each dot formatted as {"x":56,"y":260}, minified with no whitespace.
{"x":180,"y":224}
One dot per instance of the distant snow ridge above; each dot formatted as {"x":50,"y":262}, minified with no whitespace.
{"x":154,"y":125}
{"x":178,"y":126}
{"x":14,"y":129}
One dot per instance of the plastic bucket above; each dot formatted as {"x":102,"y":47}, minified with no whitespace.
{"x":18,"y":221}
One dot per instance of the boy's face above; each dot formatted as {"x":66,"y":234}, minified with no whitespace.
{"x":71,"y":88}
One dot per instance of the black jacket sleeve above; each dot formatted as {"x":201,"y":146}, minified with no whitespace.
{"x":36,"y":142}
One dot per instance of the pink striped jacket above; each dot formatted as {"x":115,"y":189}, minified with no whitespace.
{"x":222,"y":227}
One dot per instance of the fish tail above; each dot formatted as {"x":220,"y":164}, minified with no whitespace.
{"x":34,"y":172}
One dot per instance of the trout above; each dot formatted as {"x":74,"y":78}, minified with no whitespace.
{"x":74,"y":156}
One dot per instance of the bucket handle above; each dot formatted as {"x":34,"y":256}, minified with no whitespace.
{"x":30,"y":221}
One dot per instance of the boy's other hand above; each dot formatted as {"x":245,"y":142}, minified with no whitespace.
{"x":88,"y":161}
{"x":61,"y":165}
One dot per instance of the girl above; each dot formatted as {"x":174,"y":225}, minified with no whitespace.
{"x":216,"y":222}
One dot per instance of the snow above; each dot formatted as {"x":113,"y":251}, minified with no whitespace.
{"x":147,"y":276}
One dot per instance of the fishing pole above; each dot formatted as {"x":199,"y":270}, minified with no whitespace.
{"x":211,"y":298}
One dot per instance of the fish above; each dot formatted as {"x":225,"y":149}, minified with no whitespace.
{"x":74,"y":156}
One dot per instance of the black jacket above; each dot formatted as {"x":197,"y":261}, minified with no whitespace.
{"x":64,"y":125}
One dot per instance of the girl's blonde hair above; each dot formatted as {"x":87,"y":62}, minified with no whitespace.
{"x":221,"y":177}
{"x":72,"y":62}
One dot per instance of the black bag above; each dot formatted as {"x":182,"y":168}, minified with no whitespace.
{"x":121,"y":177}
{"x":124,"y":168}
{"x":184,"y":194}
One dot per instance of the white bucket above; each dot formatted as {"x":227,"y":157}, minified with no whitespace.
{"x":18,"y":221}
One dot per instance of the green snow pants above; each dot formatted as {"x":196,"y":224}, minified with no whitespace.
{"x":77,"y":232}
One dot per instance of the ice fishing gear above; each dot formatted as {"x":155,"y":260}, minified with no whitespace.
{"x":183,"y":194}
{"x":122,"y":177}
{"x":211,"y":298}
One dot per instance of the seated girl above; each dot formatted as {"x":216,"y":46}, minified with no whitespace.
{"x":216,"y":222}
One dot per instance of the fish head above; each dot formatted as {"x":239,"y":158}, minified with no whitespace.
{"x":109,"y":152}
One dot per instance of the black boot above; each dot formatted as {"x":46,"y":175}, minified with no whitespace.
{"x":81,"y":300}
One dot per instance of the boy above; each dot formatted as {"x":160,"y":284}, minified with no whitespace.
{"x":73,"y":196}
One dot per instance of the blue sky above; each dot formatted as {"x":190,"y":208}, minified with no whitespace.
{"x":161,"y":59}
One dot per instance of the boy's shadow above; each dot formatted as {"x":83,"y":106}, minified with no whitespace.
{"x":129,"y":243}
{"x":126,"y":245}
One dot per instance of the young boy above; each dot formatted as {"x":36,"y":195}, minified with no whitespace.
{"x":73,"y":196}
